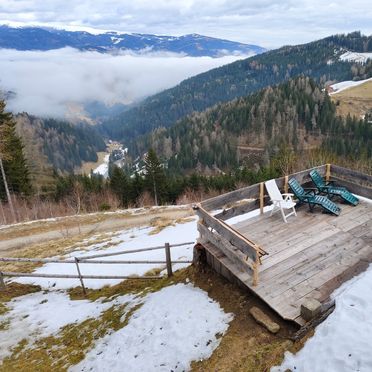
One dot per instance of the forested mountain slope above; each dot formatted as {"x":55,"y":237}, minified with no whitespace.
{"x":297,"y":114}
{"x":319,"y":60}
{"x":58,"y":144}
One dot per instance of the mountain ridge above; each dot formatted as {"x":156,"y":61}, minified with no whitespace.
{"x":318,"y":59}
{"x":46,"y":38}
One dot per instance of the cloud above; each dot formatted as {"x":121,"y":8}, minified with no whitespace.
{"x":270,"y":23}
{"x":46,"y":82}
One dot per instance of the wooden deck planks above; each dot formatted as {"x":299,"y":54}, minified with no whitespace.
{"x":307,"y":253}
{"x":290,"y":304}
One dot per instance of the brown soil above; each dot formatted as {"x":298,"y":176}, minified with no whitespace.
{"x":246,"y":346}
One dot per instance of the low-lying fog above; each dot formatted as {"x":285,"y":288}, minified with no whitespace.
{"x":45,"y":82}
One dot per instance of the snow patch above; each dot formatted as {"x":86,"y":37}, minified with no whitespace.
{"x":125,"y":240}
{"x":103,"y":168}
{"x":174,"y":326}
{"x":338,"y":87}
{"x":247,"y":216}
{"x":116,"y":40}
{"x":343,"y":341}
{"x":40,"y":314}
{"x":355,"y":57}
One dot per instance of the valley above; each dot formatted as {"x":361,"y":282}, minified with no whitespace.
{"x":122,"y":156}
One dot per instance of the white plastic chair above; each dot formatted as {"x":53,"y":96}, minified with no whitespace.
{"x":280,"y":203}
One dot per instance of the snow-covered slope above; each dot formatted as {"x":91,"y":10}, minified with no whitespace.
{"x":125,"y":240}
{"x":43,"y":314}
{"x":339,"y":87}
{"x":342,"y":343}
{"x":355,"y":57}
{"x":174,"y":326}
{"x":163,"y":329}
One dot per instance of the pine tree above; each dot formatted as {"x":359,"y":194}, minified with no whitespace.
{"x":154,"y":175}
{"x":120,"y":185}
{"x":15,"y":174}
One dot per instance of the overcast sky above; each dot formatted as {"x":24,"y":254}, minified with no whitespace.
{"x":264,"y":22}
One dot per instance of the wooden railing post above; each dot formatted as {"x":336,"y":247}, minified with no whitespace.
{"x":2,"y":282}
{"x":328,"y":172}
{"x":256,"y":265}
{"x":261,"y":197}
{"x":286,"y":184}
{"x":80,"y":277}
{"x":168,"y":259}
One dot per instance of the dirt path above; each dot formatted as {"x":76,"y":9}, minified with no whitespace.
{"x":22,"y":235}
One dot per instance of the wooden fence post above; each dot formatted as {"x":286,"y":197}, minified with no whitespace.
{"x":328,"y":172}
{"x":80,"y":277}
{"x":261,"y":197}
{"x":168,"y":259}
{"x":2,"y":282}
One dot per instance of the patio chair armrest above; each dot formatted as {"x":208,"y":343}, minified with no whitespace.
{"x":288,"y":196}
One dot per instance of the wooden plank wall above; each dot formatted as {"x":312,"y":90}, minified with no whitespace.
{"x":227,"y":232}
{"x":356,"y":182}
{"x":252,"y":193}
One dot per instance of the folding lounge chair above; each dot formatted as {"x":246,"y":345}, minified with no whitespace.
{"x":311,"y":198}
{"x":280,"y":203}
{"x":331,"y":190}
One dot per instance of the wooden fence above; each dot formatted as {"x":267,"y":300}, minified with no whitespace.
{"x":92,"y":259}
{"x":238,"y":248}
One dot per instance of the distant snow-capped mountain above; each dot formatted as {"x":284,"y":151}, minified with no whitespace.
{"x":39,"y":38}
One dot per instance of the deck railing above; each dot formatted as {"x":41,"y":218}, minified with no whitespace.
{"x":240,"y":249}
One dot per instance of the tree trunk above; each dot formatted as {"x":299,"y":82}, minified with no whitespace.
{"x":2,"y":213}
{"x":155,"y":194}
{"x":7,"y":191}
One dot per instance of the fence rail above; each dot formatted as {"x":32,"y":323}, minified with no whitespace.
{"x":90,"y":260}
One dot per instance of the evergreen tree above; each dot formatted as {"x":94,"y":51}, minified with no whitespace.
{"x":136,"y":187}
{"x":120,"y":185}
{"x":155,"y":176}
{"x":13,"y":160}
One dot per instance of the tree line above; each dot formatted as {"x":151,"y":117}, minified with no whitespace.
{"x":297,"y":114}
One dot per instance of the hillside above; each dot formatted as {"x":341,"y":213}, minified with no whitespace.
{"x":296,"y":114}
{"x":319,"y":60}
{"x":354,"y":101}
{"x":57,"y":144}
{"x":38,"y":38}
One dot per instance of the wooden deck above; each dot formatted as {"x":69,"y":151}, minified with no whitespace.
{"x":283,"y":264}
{"x":309,"y":256}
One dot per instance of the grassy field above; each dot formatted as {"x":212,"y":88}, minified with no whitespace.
{"x":354,"y":101}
